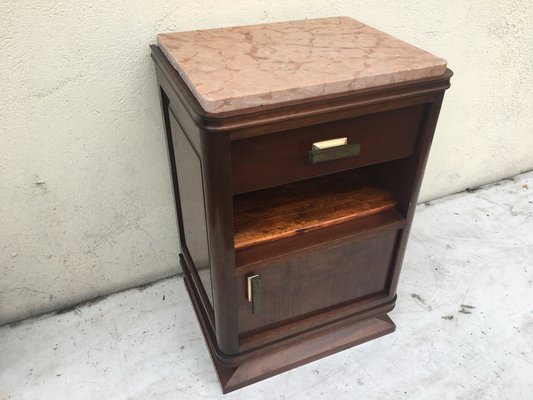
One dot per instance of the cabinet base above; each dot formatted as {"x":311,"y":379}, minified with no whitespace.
{"x":294,"y":355}
{"x":301,"y":353}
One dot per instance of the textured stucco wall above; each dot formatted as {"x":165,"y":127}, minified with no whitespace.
{"x":85,"y":199}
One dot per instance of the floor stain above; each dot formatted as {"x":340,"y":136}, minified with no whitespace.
{"x":67,"y":309}
{"x":465,"y":309}
{"x":421,"y":302}
{"x":41,"y":185}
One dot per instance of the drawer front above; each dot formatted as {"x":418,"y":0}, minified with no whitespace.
{"x":314,"y":280}
{"x":283,"y":157}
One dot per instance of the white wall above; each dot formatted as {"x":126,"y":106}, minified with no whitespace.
{"x":85,"y":199}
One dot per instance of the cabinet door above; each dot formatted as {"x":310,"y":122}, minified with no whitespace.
{"x":315,"y":279}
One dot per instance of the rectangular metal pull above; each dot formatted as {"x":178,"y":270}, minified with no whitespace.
{"x":333,"y":149}
{"x":326,"y":144}
{"x":254,"y":292}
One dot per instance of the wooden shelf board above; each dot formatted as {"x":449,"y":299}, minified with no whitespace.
{"x":245,"y":258}
{"x":293,"y":209}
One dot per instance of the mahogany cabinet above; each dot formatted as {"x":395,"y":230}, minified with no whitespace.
{"x":294,"y":217}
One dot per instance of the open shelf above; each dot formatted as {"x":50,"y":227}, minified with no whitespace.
{"x":293,"y":209}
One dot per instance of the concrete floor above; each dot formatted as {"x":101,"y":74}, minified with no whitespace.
{"x":464,"y":326}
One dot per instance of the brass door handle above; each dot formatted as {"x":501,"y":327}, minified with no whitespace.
{"x":254,"y":292}
{"x":333,"y":149}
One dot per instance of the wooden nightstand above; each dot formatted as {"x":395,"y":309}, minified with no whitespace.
{"x":297,"y":151}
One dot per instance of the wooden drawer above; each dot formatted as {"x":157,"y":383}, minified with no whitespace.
{"x":316,"y":279}
{"x":283,"y":157}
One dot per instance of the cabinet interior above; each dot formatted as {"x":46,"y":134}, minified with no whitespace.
{"x":295,"y":209}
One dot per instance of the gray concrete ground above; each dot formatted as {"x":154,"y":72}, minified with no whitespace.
{"x":464,"y":326}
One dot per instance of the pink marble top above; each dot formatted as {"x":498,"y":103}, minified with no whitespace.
{"x":235,"y":68}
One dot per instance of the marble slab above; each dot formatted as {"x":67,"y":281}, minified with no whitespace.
{"x":240,"y":67}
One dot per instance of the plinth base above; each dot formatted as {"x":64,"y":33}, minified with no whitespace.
{"x":299,"y":354}
{"x":310,"y":348}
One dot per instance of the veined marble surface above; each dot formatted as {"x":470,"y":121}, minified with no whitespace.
{"x":464,"y":320}
{"x":240,"y":67}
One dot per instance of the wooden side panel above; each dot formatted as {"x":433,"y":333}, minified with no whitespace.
{"x":404,"y":177}
{"x":314,"y":280}
{"x":219,"y":213}
{"x":194,"y":234}
{"x":282,"y":157}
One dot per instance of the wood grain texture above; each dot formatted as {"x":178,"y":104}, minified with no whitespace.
{"x":360,"y":228}
{"x":321,"y":277}
{"x":216,"y":171}
{"x":212,"y":151}
{"x":330,"y":319}
{"x":194,"y":235}
{"x":293,"y":209}
{"x":317,"y":346}
{"x":274,"y":159}
{"x":408,"y":178}
{"x":170,"y":135}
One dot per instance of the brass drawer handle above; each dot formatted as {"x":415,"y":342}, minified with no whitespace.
{"x":333,"y":149}
{"x":254,"y":292}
